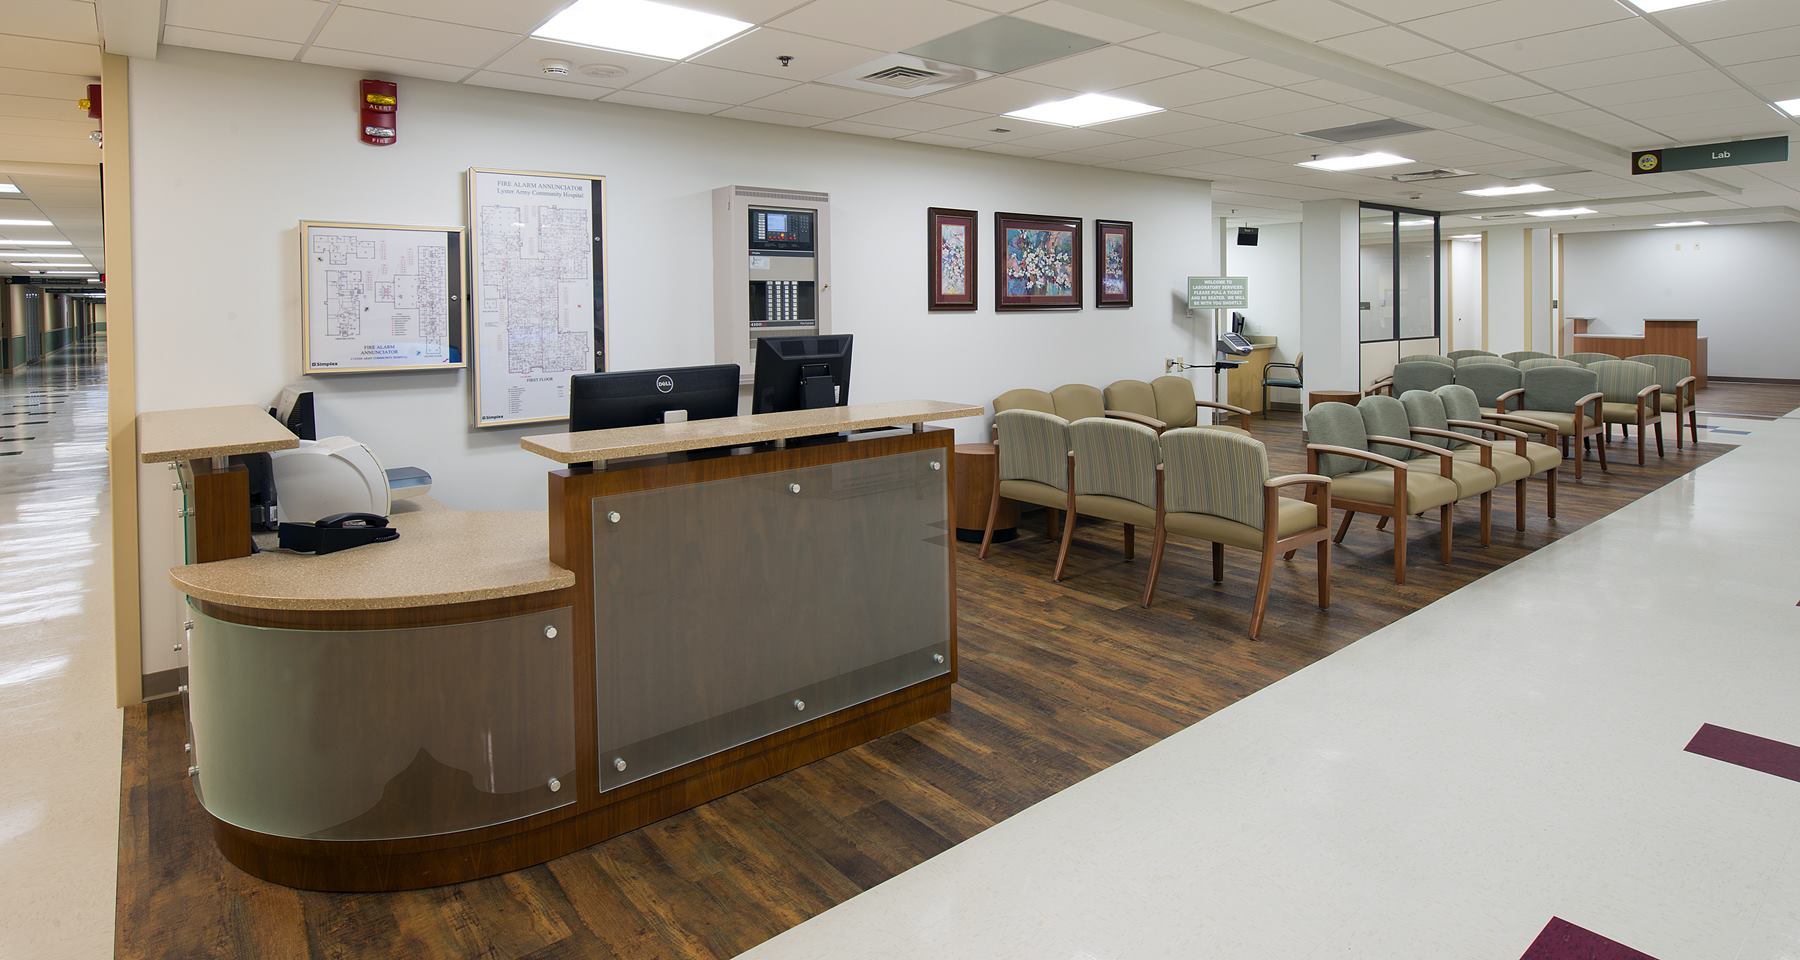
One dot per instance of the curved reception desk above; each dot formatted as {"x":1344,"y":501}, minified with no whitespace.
{"x":698,"y":611}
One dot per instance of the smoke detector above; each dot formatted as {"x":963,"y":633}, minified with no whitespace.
{"x":602,"y":71}
{"x":554,"y":68}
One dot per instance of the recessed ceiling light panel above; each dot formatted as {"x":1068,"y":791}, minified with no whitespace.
{"x":35,"y":243}
{"x":1510,"y":190}
{"x":1085,"y":110}
{"x":1364,"y":161}
{"x":1685,"y":223}
{"x":9,"y":188}
{"x":640,"y":26}
{"x":1562,"y":212}
{"x":25,"y":223}
{"x":1789,"y":107}
{"x":1658,"y":6}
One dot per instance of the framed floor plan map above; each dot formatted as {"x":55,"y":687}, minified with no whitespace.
{"x":539,"y":285}
{"x":380,"y":297}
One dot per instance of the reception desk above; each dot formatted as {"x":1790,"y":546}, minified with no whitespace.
{"x":703,"y":606}
{"x":1678,"y":338}
{"x":1243,"y":383}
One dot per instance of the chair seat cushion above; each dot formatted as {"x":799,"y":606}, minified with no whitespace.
{"x":1114,"y":508}
{"x":1291,"y":517}
{"x":1622,"y":412}
{"x":1472,"y":479}
{"x":1031,"y":491}
{"x":1563,"y":422}
{"x":1542,"y":456}
{"x":1423,"y":490}
{"x":1507,"y":467}
{"x":1668,"y":403}
{"x":1282,"y":382}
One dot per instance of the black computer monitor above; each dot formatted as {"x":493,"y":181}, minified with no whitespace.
{"x":632,"y":398}
{"x":1237,"y":322}
{"x":801,"y":373}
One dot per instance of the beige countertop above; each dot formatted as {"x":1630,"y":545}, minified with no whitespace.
{"x":738,"y":431}
{"x":443,"y":556}
{"x":202,"y":432}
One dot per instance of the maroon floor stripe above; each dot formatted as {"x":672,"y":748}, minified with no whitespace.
{"x":1747,"y":750}
{"x":1562,"y":940}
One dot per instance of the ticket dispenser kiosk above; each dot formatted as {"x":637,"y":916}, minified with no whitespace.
{"x":770,"y":269}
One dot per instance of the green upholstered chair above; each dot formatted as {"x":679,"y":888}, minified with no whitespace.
{"x":1290,"y":381}
{"x":1632,"y":396}
{"x":1568,"y":399}
{"x":1492,"y":383}
{"x":1363,"y":480}
{"x":1460,"y":354}
{"x":1485,"y":358}
{"x":1392,"y":432}
{"x":1466,"y":416}
{"x":1586,"y":358}
{"x":1115,"y":477}
{"x":1216,"y":487}
{"x":1676,"y":375}
{"x":1431,"y":424}
{"x":1535,"y":362}
{"x":1033,"y":466}
{"x":1421,"y":376}
{"x":1426,"y":358}
{"x":1078,"y":401}
{"x":1166,"y":403}
{"x":1520,"y":356}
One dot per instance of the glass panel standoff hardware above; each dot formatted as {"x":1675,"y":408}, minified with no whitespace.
{"x":193,"y":771}
{"x":937,"y":658}
{"x":799,"y":704}
{"x":937,"y":465}
{"x":612,"y":516}
{"x":793,"y":488}
{"x":619,"y":764}
{"x":550,"y":632}
{"x":555,"y":784}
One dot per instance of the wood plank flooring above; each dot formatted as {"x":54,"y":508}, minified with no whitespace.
{"x":1059,"y":681}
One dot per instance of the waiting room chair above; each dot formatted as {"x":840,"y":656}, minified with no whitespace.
{"x":1166,"y":403}
{"x":1078,"y":401}
{"x":1460,"y":354}
{"x":1632,"y":395}
{"x":1484,"y":359}
{"x":1586,"y":358}
{"x":1676,"y":375}
{"x":1466,"y":416}
{"x":1520,"y":356}
{"x":1535,"y":362}
{"x":1114,"y":476}
{"x":1504,"y":458}
{"x":1426,"y":358}
{"x":1216,"y":487}
{"x":1034,"y":466}
{"x":1386,"y":418}
{"x":1295,"y":382}
{"x":1567,"y":398}
{"x":1421,"y":376}
{"x":1363,"y":480}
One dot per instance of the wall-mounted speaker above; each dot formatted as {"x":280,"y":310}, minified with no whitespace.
{"x":1247,"y":236}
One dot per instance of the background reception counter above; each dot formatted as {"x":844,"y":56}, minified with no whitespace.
{"x":490,"y":691}
{"x":1677,"y":338}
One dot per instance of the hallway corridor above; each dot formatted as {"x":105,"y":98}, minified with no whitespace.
{"x":59,"y":803}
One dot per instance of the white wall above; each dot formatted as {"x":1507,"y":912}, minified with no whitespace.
{"x":1273,"y":267}
{"x":1740,"y":280}
{"x":1506,"y":248}
{"x":229,"y":153}
{"x":1329,"y":241}
{"x":1463,"y":314}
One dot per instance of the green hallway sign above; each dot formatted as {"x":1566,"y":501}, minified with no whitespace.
{"x":1736,"y":153}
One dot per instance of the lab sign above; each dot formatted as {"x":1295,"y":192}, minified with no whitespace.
{"x":1736,"y":153}
{"x":1218,"y":293}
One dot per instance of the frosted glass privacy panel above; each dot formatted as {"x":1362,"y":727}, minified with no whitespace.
{"x":732,"y":609}
{"x":382,"y":734}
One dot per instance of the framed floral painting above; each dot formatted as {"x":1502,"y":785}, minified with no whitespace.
{"x":953,"y":247}
{"x":1112,"y":263}
{"x":1037,"y":262}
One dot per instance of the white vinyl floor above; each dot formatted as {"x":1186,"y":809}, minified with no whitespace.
{"x":1443,"y":788}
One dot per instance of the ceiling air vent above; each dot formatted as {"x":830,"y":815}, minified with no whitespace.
{"x":904,"y":78}
{"x":905,"y":75}
{"x":1364,"y":131}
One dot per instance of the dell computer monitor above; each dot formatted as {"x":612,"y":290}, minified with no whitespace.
{"x":801,"y":373}
{"x":632,"y":398}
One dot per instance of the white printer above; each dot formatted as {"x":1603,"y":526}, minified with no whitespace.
{"x":322,"y":478}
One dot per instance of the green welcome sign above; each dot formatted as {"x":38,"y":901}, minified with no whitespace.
{"x":1736,"y":153}
{"x":1218,"y":293}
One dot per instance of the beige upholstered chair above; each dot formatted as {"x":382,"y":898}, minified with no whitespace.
{"x":1363,"y":480}
{"x":1034,"y":465}
{"x":1078,"y":401}
{"x":1216,"y":487}
{"x":1568,"y":399}
{"x":1166,"y":403}
{"x":1114,"y":477}
{"x":1632,"y":396}
{"x":1025,"y":398}
{"x":1520,"y":356}
{"x":1532,"y":363}
{"x":1586,"y":358}
{"x":1460,"y":354}
{"x":1466,"y":416}
{"x":1676,"y":375}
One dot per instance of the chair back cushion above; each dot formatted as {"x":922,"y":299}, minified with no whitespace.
{"x":1033,"y":446}
{"x":1621,"y":380}
{"x":1215,"y":472}
{"x":1131,"y":396}
{"x":1475,"y":361}
{"x":1175,"y":401}
{"x":1670,"y":370}
{"x":1535,"y":362}
{"x":1115,"y":458}
{"x":1460,"y":404}
{"x":1555,"y":389}
{"x":1460,"y":354}
{"x":1024,"y":398}
{"x":1426,"y":409}
{"x":1421,"y":376}
{"x":1339,"y":425}
{"x":1078,"y":401}
{"x":1489,"y":380}
{"x":1518,"y":356}
{"x":1386,"y":417}
{"x":1586,"y":358}
{"x":1426,"y":358}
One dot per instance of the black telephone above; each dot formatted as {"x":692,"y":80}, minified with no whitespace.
{"x":1234,"y":344}
{"x":339,"y":531}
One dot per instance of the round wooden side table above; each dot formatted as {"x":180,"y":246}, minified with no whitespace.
{"x":975,"y":466}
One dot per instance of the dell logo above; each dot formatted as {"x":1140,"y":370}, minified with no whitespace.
{"x":665,"y":384}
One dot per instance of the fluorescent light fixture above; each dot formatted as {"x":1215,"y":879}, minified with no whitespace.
{"x":67,"y":273}
{"x":9,"y":188}
{"x":48,"y":266}
{"x":26,"y":223}
{"x":1416,"y":223}
{"x":1467,"y":236}
{"x":93,"y":280}
{"x":1562,"y":212}
{"x":640,"y":26}
{"x":1658,"y":6}
{"x":1085,"y":110}
{"x":1789,"y":107}
{"x":1363,"y":161}
{"x":1509,"y":190}
{"x":45,"y":256}
{"x":1685,"y":223}
{"x":34,"y":243}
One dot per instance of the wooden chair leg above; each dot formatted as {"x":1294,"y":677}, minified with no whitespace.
{"x":1157,"y":540}
{"x":1446,"y":520}
{"x":1564,"y":443}
{"x":1324,"y":574}
{"x":1052,"y":529}
{"x":1487,"y":518}
{"x":1641,"y":433}
{"x":1400,"y":547}
{"x":1582,"y":451}
{"x":1603,"y":468}
{"x":1068,"y":535}
{"x":1289,"y":555}
{"x":1550,"y":495}
{"x":987,"y":535}
{"x":1693,"y":426}
{"x":1659,"y":437}
{"x":1381,"y":524}
{"x":1344,"y":527}
{"x":1218,"y":563}
{"x":1519,"y":503}
{"x":1130,"y":542}
{"x":1679,"y":439}
{"x":1262,"y":593}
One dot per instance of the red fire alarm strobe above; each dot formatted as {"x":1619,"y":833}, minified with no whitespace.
{"x":379,"y":123}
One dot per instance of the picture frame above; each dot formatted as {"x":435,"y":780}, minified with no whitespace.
{"x":381,"y":298}
{"x":1113,"y":281}
{"x":952,"y":242}
{"x":1037,"y":262}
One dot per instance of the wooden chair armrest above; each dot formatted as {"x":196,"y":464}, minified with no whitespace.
{"x":1451,"y":435}
{"x":1137,"y":418}
{"x":1445,"y":461}
{"x":1653,"y":388}
{"x":1500,"y":401}
{"x":1242,"y":414}
{"x":1314,"y":449}
{"x":1382,"y":387}
{"x":1292,"y":479}
{"x":1684,"y":389}
{"x":1580,"y":411}
{"x":1518,"y":437}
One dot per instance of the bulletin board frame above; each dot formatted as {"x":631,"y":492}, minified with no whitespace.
{"x":457,"y":335}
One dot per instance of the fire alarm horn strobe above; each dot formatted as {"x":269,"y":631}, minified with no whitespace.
{"x":379,"y":117}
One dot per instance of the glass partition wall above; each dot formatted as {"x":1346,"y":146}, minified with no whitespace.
{"x":1401,"y":287}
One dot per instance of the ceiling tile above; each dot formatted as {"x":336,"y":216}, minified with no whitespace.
{"x":864,"y":129}
{"x":1013,"y":149}
{"x":695,"y":82}
{"x":1253,"y":106}
{"x":1402,"y":10}
{"x":387,"y":34}
{"x":1318,"y":118}
{"x":1502,"y":20}
{"x":1192,"y":157}
{"x":1183,"y":49}
{"x":544,"y":85}
{"x":37,"y":108}
{"x":749,"y":11}
{"x":1448,"y":68}
{"x":1629,"y":68}
{"x":33,"y":83}
{"x":824,"y":101}
{"x":1330,"y":90}
{"x":525,"y":60}
{"x":1763,"y":45}
{"x":1386,"y":45}
{"x":999,"y":6}
{"x":1103,"y":69}
{"x":657,"y":101}
{"x":938,"y":139}
{"x":1505,"y":87}
{"x":1158,"y":124}
{"x":921,"y":116}
{"x":291,"y":20}
{"x":1265,"y":72}
{"x":1655,"y":88}
{"x":992,"y":129}
{"x":71,"y":20}
{"x":1270,"y":146}
{"x":230,"y":43}
{"x":380,"y":64}
{"x":1309,"y":19}
{"x":1782,"y":74}
{"x":886,"y":26}
{"x":1613,"y":39}
{"x":1711,"y":21}
{"x":1122,"y":150}
{"x":1195,"y":86}
{"x":513,"y":16}
{"x":758,"y":52}
{"x":770,"y":116}
{"x":1085,"y":22}
{"x":1214,"y":135}
{"x":1541,"y":104}
{"x":997,"y":95}
{"x":50,"y":56}
{"x":1067,"y":138}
